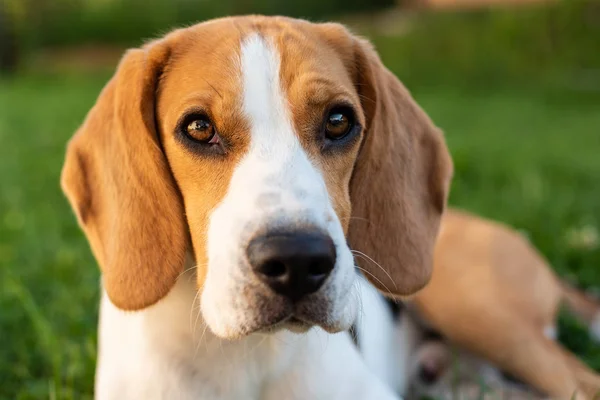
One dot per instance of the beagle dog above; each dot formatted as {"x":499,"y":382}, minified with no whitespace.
{"x":493,"y":294}
{"x":225,"y":178}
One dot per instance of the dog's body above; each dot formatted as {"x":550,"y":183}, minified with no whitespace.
{"x":493,"y":294}
{"x":266,"y":148}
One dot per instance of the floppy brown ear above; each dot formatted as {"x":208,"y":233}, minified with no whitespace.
{"x":117,"y":180}
{"x":400,"y":183}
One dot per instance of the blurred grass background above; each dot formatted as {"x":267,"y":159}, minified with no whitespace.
{"x":516,"y":89}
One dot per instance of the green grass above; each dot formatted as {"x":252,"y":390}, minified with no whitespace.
{"x":48,"y":279}
{"x":524,"y":156}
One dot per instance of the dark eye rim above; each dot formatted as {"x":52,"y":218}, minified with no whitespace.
{"x":352,"y":132}
{"x":196,"y":145}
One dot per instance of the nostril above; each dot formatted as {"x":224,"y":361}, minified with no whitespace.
{"x":273,"y":269}
{"x":314,"y":269}
{"x":319,"y":269}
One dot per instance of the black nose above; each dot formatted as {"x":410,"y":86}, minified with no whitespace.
{"x":293,"y":264}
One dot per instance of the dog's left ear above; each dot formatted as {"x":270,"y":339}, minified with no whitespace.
{"x":401,"y":180}
{"x":400,"y":183}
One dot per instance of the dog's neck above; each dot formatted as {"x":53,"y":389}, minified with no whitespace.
{"x":170,"y":339}
{"x":176,"y":317}
{"x":167,"y":350}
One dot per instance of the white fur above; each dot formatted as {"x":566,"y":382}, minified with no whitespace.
{"x":173,"y":351}
{"x":386,"y":344}
{"x":595,"y":327}
{"x":165,"y":352}
{"x":275,"y":185}
{"x":406,"y":337}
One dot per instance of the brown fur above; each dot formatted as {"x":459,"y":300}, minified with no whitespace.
{"x":400,"y":183}
{"x":140,"y":195}
{"x":119,"y":183}
{"x":401,"y":179}
{"x":492,"y":293}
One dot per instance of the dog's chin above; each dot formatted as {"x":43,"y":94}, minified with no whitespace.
{"x":271,"y":315}
{"x":298,"y":325}
{"x":307,"y":315}
{"x":290,"y":322}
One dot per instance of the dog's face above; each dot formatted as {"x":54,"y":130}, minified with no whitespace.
{"x":254,"y":142}
{"x":269,"y":171}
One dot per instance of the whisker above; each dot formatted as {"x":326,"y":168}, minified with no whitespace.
{"x":374,"y":277}
{"x":200,"y":340}
{"x":186,"y":270}
{"x":376,"y":263}
{"x":193,"y":326}
{"x":362,"y":96}
{"x":212,"y":87}
{"x":198,"y":313}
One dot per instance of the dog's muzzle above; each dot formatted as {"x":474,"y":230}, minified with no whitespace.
{"x":292,"y":264}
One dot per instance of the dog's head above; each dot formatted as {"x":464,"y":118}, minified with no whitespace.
{"x":268,"y":147}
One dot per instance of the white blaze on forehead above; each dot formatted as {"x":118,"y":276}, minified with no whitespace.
{"x":275,"y":160}
{"x":260,"y":72}
{"x":264,"y":102}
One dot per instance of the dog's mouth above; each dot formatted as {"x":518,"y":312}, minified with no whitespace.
{"x":317,"y":310}
{"x":297,"y":325}
{"x":291,"y":323}
{"x":295,"y":321}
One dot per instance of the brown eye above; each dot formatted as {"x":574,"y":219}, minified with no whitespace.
{"x":339,"y":123}
{"x":202,"y":130}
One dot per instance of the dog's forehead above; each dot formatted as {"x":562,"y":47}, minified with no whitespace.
{"x":206,"y":62}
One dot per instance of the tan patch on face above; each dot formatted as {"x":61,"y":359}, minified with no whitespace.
{"x":204,"y":77}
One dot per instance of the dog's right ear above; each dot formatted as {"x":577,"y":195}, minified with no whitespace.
{"x":118,"y":181}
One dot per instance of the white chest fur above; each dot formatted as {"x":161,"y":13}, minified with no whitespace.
{"x":166,"y":352}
